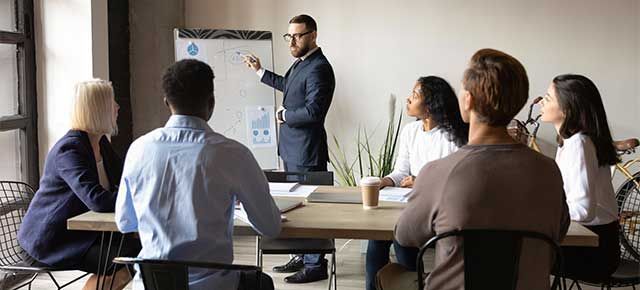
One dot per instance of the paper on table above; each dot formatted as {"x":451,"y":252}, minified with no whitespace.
{"x":300,"y":191}
{"x":241,"y":214}
{"x":397,"y":194}
{"x":283,"y":186}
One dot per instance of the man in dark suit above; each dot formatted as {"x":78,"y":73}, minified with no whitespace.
{"x":308,"y":89}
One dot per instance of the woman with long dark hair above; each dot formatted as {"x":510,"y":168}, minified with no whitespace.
{"x":586,"y":152}
{"x":439,"y":132}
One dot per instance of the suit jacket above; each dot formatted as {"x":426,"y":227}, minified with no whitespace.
{"x":308,"y":90}
{"x":69,"y":186}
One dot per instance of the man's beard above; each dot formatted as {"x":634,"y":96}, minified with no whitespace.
{"x":301,"y":52}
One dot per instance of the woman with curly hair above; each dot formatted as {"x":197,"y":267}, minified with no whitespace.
{"x":439,"y":132}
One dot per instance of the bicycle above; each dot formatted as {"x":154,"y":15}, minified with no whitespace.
{"x":519,"y":130}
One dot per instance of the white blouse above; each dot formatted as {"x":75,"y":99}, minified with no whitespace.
{"x":417,"y":148}
{"x":102,"y":175}
{"x":588,"y":187}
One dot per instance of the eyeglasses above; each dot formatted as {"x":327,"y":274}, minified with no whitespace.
{"x":296,"y":36}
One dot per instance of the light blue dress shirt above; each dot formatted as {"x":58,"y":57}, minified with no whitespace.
{"x":178,"y":190}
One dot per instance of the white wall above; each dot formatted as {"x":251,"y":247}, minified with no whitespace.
{"x":71,"y":46}
{"x":377,"y":48}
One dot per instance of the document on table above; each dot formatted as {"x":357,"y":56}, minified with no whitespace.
{"x":240,"y":214}
{"x":397,"y":194}
{"x":283,"y":186}
{"x":299,"y":191}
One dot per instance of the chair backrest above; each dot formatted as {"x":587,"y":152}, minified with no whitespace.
{"x":305,"y":178}
{"x":15,"y":197}
{"x":174,"y":275}
{"x":628,"y":196}
{"x":491,"y":257}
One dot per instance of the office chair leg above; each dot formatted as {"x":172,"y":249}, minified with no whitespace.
{"x":74,"y":280}
{"x":556,"y":283}
{"x":575,"y":282}
{"x":335,"y":271}
{"x":333,"y":277}
{"x":28,"y":283}
{"x":54,"y":280}
{"x":259,"y":252}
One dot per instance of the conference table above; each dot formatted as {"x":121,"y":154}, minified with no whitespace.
{"x":327,"y":220}
{"x":314,"y":220}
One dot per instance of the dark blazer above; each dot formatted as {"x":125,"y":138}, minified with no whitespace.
{"x":308,"y":91}
{"x":69,"y":186}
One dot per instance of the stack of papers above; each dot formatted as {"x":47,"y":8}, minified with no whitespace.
{"x":397,"y":194}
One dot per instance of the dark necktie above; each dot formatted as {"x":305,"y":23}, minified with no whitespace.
{"x":295,"y":64}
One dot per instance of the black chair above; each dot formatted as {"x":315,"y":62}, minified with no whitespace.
{"x":266,"y":246}
{"x":14,"y":200}
{"x":628,"y":272}
{"x":174,"y":275}
{"x":491,"y":257}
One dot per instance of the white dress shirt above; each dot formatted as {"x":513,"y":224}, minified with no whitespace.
{"x":588,"y":187}
{"x":417,"y":148}
{"x":178,"y":190}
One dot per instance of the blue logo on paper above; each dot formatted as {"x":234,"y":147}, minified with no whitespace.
{"x":192,"y":49}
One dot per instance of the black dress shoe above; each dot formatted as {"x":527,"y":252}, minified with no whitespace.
{"x":294,"y":265}
{"x":308,"y":275}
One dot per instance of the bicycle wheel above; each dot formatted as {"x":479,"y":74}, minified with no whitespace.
{"x":628,"y":197}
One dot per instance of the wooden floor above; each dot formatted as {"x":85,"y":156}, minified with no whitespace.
{"x":350,"y":268}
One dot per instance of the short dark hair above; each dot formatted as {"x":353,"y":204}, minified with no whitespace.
{"x":499,"y":84}
{"x":581,"y":103}
{"x":188,"y":84}
{"x":441,"y":104}
{"x":309,"y":23}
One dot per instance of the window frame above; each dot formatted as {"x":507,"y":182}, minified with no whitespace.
{"x":27,"y":117}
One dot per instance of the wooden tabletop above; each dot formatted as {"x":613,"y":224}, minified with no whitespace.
{"x":328,"y":220}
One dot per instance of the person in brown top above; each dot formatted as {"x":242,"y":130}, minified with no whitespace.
{"x":491,"y":183}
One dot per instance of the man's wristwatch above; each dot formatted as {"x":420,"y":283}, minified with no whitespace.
{"x":280,"y":115}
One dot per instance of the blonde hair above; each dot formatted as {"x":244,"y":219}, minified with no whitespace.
{"x":92,"y":110}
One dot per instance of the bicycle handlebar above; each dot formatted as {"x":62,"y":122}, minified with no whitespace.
{"x":535,"y":102}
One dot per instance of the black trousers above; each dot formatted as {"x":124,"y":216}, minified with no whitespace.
{"x":594,"y":263}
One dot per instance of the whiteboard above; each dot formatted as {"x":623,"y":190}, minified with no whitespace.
{"x":245,"y":108}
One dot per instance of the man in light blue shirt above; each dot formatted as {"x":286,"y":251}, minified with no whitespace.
{"x":180,"y":183}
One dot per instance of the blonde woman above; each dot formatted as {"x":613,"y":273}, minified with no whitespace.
{"x":81,"y":174}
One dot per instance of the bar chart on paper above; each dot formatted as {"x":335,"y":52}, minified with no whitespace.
{"x":261,"y":127}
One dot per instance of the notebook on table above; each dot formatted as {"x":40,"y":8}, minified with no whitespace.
{"x":334,"y":197}
{"x":286,"y":205}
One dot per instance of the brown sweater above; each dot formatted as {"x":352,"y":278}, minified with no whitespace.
{"x":486,"y":187}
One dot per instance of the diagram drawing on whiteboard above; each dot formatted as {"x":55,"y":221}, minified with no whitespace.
{"x":245,"y":108}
